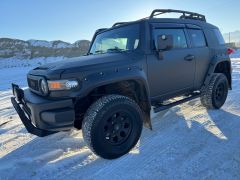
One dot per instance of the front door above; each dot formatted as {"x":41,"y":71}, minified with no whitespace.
{"x":174,"y":72}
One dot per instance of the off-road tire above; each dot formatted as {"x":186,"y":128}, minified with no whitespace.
{"x":105,"y":110}
{"x":210,"y":93}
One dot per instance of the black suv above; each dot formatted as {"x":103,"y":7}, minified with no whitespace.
{"x":129,"y":68}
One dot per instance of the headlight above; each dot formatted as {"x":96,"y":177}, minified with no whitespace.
{"x":63,"y":85}
{"x":44,"y":86}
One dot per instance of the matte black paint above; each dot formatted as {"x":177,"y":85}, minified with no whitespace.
{"x":179,"y":72}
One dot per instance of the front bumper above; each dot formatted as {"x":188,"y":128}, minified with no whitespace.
{"x":41,"y":116}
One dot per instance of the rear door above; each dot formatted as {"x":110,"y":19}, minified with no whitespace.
{"x":176,"y":71}
{"x":200,"y":51}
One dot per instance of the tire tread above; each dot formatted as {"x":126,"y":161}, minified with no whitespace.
{"x":207,"y":92}
{"x":90,"y":119}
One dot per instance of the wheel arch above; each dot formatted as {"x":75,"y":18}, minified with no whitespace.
{"x":219,"y":66}
{"x":134,"y":88}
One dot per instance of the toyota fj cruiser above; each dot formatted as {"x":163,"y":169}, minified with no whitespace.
{"x":129,"y":68}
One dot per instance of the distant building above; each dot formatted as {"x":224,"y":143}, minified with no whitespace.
{"x":232,"y":39}
{"x":238,"y":45}
{"x":232,"y":45}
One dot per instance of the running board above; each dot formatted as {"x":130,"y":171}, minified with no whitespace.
{"x":162,"y":107}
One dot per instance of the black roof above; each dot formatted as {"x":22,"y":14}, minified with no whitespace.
{"x":182,"y":21}
{"x":186,"y":17}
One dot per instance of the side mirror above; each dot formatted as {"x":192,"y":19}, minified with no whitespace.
{"x":164,"y":42}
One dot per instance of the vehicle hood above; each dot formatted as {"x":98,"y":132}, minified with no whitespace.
{"x":83,"y":63}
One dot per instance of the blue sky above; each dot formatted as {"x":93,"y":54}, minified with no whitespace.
{"x":71,"y":20}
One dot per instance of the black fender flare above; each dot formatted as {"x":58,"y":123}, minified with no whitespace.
{"x":137,"y":74}
{"x":212,"y":66}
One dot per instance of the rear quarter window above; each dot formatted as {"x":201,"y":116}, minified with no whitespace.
{"x":197,"y":38}
{"x":219,"y":36}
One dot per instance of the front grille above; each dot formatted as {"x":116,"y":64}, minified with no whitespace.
{"x":33,"y":84}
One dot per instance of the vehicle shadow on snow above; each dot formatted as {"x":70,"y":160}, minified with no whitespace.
{"x":227,"y":122}
{"x":172,"y":144}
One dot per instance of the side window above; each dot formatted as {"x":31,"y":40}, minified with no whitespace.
{"x":197,"y":38}
{"x":179,"y":38}
{"x":219,"y":36}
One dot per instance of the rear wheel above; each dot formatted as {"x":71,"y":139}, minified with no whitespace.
{"x":215,"y":94}
{"x":112,"y":126}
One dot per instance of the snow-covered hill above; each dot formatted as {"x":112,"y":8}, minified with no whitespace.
{"x":187,"y":142}
{"x":15,"y":48}
{"x":50,"y":44}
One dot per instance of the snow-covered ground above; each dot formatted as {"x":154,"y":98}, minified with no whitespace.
{"x":15,"y":62}
{"x":187,"y":142}
{"x":236,"y":54}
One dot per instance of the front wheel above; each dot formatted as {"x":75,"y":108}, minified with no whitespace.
{"x":215,"y":94}
{"x":112,"y":126}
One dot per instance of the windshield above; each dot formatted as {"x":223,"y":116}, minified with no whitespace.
{"x":121,"y":39}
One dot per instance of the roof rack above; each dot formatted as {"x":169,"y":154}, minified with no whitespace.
{"x":100,"y":30}
{"x":118,"y":24}
{"x":185,"y":14}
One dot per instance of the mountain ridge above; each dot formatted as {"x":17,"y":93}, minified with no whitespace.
{"x":41,"y":48}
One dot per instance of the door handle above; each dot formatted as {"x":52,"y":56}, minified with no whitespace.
{"x":189,"y":58}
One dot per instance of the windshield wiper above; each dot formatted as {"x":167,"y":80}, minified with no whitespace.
{"x":99,"y":51}
{"x":116,"y":49}
{"x":96,"y":52}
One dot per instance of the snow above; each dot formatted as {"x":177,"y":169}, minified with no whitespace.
{"x":236,"y":54}
{"x":41,"y":43}
{"x":16,"y":62}
{"x":61,"y":45}
{"x":49,"y":44}
{"x":187,"y":142}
